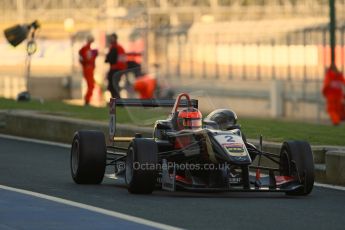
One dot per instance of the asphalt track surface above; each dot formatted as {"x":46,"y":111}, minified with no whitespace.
{"x":45,"y":169}
{"x":23,"y":211}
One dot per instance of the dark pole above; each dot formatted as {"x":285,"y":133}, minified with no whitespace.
{"x":230,"y":64}
{"x":179,"y":54}
{"x":288,"y":42}
{"x":258,"y":66}
{"x":273,"y":43}
{"x":191,"y":42}
{"x":244,"y":67}
{"x":332,"y":25}
{"x":216,"y":54}
{"x":324,"y":42}
{"x":304,"y":47}
{"x":342,"y":48}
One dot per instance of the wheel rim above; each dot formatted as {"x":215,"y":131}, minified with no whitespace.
{"x":75,"y":157}
{"x":129,"y":166}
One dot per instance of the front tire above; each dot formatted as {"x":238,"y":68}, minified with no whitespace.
{"x":88,"y":157}
{"x":141,"y":173}
{"x":296,"y":160}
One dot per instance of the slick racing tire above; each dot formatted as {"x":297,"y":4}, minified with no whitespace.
{"x":141,"y":174}
{"x":88,"y":157}
{"x":296,"y":160}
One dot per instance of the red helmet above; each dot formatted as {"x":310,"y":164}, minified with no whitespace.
{"x":189,"y":118}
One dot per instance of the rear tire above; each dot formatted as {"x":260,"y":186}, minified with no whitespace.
{"x":88,"y":157}
{"x":141,"y":173}
{"x":298,"y":155}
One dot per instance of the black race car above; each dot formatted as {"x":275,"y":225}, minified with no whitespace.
{"x":187,"y":152}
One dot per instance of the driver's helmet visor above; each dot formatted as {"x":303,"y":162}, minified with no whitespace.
{"x":192,"y":123}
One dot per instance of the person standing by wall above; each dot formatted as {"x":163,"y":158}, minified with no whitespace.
{"x":116,"y":57}
{"x":87,"y":57}
{"x":333,"y":90}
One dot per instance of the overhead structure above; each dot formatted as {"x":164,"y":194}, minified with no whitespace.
{"x":57,"y":10}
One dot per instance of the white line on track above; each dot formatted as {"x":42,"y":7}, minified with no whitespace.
{"x":335,"y":187}
{"x":35,"y":141}
{"x":92,"y":208}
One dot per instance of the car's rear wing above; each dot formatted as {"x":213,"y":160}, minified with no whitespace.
{"x":152,"y":102}
{"x":140,"y":103}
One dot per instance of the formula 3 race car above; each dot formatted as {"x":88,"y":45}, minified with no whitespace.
{"x":187,"y":152}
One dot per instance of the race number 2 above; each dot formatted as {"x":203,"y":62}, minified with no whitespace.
{"x":229,"y":138}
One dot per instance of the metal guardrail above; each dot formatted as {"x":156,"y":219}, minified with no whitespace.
{"x":298,"y":54}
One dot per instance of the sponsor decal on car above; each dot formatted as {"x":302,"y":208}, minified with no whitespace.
{"x":235,"y":149}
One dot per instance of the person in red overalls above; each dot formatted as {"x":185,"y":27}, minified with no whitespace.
{"x":87,"y":57}
{"x":117,"y":59}
{"x":145,"y":86}
{"x":333,"y":90}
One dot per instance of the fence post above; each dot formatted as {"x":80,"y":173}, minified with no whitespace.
{"x":216,"y":54}
{"x":277,"y":99}
{"x":305,"y":59}
{"x":304,"y":64}
{"x":288,"y":43}
{"x":332,"y":27}
{"x":179,"y":56}
{"x":324,"y":45}
{"x":273,"y":57}
{"x":204,"y":62}
{"x":244,"y":70}
{"x":342,"y":30}
{"x":230,"y":64}
{"x":191,"y":47}
{"x":167,"y":59}
{"x":258,"y":66}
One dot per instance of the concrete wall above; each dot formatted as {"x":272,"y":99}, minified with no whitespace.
{"x":336,"y":173}
{"x":48,"y":88}
{"x":53,"y":128}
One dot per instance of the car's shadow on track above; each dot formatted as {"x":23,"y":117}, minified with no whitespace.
{"x":187,"y":194}
{"x":237,"y":195}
